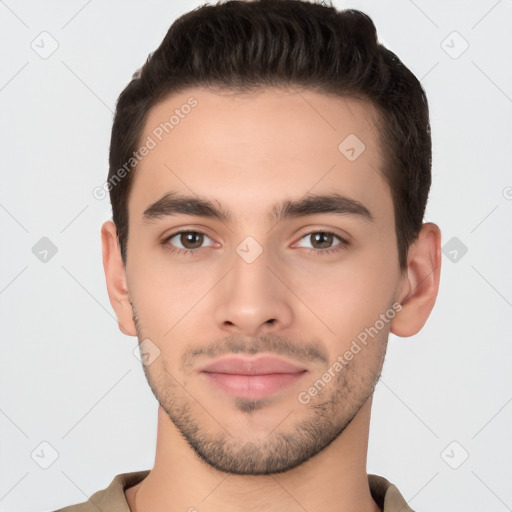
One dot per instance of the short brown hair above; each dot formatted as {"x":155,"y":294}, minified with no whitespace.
{"x":244,"y":46}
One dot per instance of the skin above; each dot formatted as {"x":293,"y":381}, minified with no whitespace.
{"x":249,"y":153}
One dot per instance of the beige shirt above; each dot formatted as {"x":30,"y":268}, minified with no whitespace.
{"x":112,"y":499}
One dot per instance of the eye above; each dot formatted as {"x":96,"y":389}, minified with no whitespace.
{"x":321,"y":242}
{"x":186,"y":241}
{"x":190,"y":242}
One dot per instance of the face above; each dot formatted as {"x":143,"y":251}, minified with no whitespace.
{"x":262,"y":268}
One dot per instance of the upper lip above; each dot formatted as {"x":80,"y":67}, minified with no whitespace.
{"x":263,"y":365}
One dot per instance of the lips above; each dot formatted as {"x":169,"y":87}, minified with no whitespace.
{"x":252,"y":378}
{"x":251,"y":366}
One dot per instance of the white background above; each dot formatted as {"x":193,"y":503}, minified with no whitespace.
{"x":69,"y":377}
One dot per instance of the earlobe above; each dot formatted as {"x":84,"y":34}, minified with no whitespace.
{"x":115,"y":275}
{"x":420,"y":285}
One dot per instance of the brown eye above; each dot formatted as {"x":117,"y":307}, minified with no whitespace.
{"x":191,"y":239}
{"x":321,"y":240}
{"x":187,"y":241}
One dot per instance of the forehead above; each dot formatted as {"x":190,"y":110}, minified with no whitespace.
{"x":256,"y":149}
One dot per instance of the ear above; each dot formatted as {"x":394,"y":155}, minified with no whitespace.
{"x":115,"y":275}
{"x":419,"y":282}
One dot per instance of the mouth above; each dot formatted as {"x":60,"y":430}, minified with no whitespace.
{"x":252,"y":378}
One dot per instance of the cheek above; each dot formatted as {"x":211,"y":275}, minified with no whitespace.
{"x":350,"y":295}
{"x":164,"y":292}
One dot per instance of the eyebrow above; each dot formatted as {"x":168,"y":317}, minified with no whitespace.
{"x":172,"y":204}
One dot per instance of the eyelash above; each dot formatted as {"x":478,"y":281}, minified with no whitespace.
{"x":317,"y":252}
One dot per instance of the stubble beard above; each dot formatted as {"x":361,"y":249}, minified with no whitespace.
{"x":322,"y":421}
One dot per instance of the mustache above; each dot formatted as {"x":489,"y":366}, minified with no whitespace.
{"x":279,"y":345}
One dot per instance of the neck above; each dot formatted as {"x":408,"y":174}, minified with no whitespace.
{"x":335,"y":480}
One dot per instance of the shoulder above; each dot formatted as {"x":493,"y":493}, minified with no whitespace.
{"x":111,"y":498}
{"x":387,"y":495}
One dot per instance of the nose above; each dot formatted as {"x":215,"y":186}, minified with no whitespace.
{"x":251,"y":300}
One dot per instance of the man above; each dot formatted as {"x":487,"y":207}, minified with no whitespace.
{"x":269,"y":171}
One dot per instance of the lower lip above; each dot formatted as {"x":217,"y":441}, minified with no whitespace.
{"x":252,"y":386}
